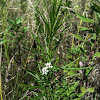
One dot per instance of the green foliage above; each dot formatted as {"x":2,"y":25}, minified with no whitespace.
{"x":85,"y":19}
{"x":78,"y":37}
{"x":51,"y":26}
{"x":17,"y":26}
{"x":97,"y":54}
{"x":48,"y":87}
{"x":96,"y":7}
{"x":54,"y":40}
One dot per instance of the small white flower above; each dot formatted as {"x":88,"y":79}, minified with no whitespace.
{"x":50,"y":66}
{"x":45,"y":69}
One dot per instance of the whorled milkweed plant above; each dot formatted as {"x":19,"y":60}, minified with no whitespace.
{"x":49,"y":81}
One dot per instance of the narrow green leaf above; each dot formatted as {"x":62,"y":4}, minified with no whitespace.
{"x":44,"y":19}
{"x":97,"y":54}
{"x":85,"y":19}
{"x":71,"y":63}
{"x":78,"y":37}
{"x":90,"y":89}
{"x":69,"y":68}
{"x":80,"y":95}
{"x":72,"y":88}
{"x":32,"y":50}
{"x":84,"y":29}
{"x":59,"y":4}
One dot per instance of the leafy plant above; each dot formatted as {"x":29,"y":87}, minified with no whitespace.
{"x":48,"y":85}
{"x":52,"y":58}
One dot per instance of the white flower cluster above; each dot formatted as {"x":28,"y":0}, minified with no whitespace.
{"x":45,"y":69}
